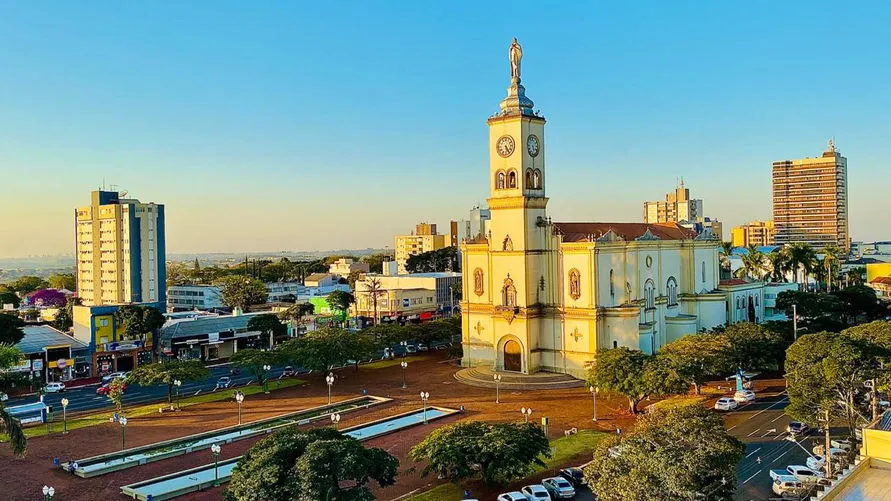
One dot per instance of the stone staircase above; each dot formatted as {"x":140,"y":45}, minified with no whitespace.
{"x":481,"y":377}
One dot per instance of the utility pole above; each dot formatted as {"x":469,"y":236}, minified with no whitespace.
{"x":826,"y":455}
{"x":795,"y":320}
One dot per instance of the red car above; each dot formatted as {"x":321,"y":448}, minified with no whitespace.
{"x":104,"y":389}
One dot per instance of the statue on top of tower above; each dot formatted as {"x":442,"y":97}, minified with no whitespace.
{"x":515,"y":54}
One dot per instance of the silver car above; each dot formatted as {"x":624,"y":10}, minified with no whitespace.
{"x":558,"y":488}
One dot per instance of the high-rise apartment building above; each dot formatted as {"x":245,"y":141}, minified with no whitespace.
{"x":678,"y":207}
{"x":470,"y":229}
{"x":424,"y":239}
{"x":120,"y":251}
{"x":756,"y":233}
{"x":810,"y":200}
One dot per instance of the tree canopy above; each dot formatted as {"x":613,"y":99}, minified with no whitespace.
{"x":680,"y":452}
{"x":136,"y":320}
{"x":62,"y":281}
{"x":24,"y":285}
{"x":752,"y":347}
{"x":8,"y":296}
{"x":268,"y":325}
{"x":635,"y":375}
{"x":697,"y":356}
{"x":240,"y":292}
{"x":493,"y":452}
{"x":11,"y":329}
{"x":167,"y":373}
{"x":310,"y":465}
{"x":328,"y":347}
{"x":340,"y":300}
{"x":445,"y":259}
{"x":254,"y":360}
{"x":10,"y":356}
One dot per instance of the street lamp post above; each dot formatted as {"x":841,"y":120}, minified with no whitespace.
{"x":335,"y":419}
{"x":266,"y":369}
{"x":64,"y":416}
{"x":123,"y":422}
{"x":404,"y":365}
{"x":594,"y":391}
{"x":497,"y":379}
{"x":48,"y":493}
{"x":526,"y":411}
{"x":424,"y":397}
{"x":178,"y":384}
{"x":795,"y":321}
{"x":215,"y":450}
{"x":330,"y":380}
{"x":239,"y":398}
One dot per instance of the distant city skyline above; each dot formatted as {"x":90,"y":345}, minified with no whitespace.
{"x":268,"y":128}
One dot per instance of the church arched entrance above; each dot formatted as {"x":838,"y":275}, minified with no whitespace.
{"x":513,"y":356}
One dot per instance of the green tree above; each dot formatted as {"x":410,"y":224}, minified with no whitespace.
{"x":167,"y":373}
{"x":697,"y":356}
{"x":801,"y":259}
{"x":831,"y":263}
{"x":10,"y":356}
{"x":65,"y":317}
{"x":859,"y":303}
{"x":26,"y":284}
{"x":136,"y":320}
{"x":240,"y":291}
{"x":326,"y":348}
{"x":340,"y":301}
{"x":296,"y":313}
{"x":11,"y":329}
{"x":445,"y":259}
{"x":752,"y":347}
{"x":634,"y":374}
{"x":8,"y":296}
{"x":116,"y":392}
{"x":254,"y":360}
{"x":493,"y":452}
{"x":310,"y":465}
{"x":876,"y":336}
{"x":375,"y":262}
{"x":752,"y":264}
{"x":62,"y":281}
{"x":269,"y":326}
{"x":724,"y":254}
{"x":676,"y":453}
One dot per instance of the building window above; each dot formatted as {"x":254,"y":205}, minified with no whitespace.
{"x":512,"y":179}
{"x":509,"y":293}
{"x":499,"y":181}
{"x":536,"y":179}
{"x":615,"y":344}
{"x":612,"y":287}
{"x":575,"y":286}
{"x":478,"y":282}
{"x":650,"y":293}
{"x":529,"y":184}
{"x":672,"y":287}
{"x":703,"y":272}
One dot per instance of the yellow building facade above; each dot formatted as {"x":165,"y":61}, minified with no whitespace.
{"x":410,"y":245}
{"x":758,"y":233}
{"x":545,"y":296}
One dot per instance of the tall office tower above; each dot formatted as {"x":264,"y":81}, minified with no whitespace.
{"x":810,"y":200}
{"x":120,"y":251}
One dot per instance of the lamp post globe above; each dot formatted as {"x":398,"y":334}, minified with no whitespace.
{"x":215,"y":449}
{"x":123,"y":421}
{"x":593,"y":389}
{"x":497,"y":379}
{"x":526,"y":411}
{"x":335,"y":419}
{"x":239,"y":398}
{"x":64,"y":416}
{"x":425,"y":395}
{"x":329,"y":379}
{"x":404,"y":366}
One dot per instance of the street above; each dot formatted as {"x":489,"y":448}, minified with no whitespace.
{"x":85,"y":398}
{"x":761,"y":425}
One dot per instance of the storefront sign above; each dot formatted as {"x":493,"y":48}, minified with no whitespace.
{"x":37,"y":365}
{"x":213,"y":337}
{"x":406,"y":303}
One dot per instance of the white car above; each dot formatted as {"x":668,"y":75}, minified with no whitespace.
{"x":115,"y":375}
{"x":726,"y":404}
{"x":536,"y":492}
{"x":744,"y":396}
{"x":559,"y":488}
{"x":512,"y":496}
{"x":844,"y":445}
{"x":787,"y":485}
{"x":55,"y":387}
{"x":818,"y":462}
{"x":804,"y":474}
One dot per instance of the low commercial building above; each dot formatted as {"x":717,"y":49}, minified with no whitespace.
{"x":882,"y":286}
{"x":208,"y":297}
{"x":193,"y":297}
{"x":344,"y":266}
{"x":209,"y":337}
{"x":415,"y":296}
{"x":772,"y":291}
{"x":52,"y":354}
{"x":756,"y":233}
{"x":110,"y":349}
{"x":284,"y":291}
{"x":320,"y":280}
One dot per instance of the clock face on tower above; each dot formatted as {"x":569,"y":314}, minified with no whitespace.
{"x":533,"y":145}
{"x":505,"y":146}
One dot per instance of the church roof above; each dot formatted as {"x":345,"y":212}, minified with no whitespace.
{"x":583,"y":232}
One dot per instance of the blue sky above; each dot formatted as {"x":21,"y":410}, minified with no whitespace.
{"x":285,"y":125}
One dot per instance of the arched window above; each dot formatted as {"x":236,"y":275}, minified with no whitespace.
{"x":756,"y":301}
{"x":478,"y":282}
{"x":499,"y":181}
{"x":529,"y":183}
{"x":512,"y":179}
{"x":509,"y":293}
{"x":536,"y":179}
{"x":650,"y":293}
{"x":703,"y":272}
{"x":615,"y":344}
{"x":612,"y":286}
{"x":575,"y":286}
{"x":672,"y":287}
{"x":507,"y":244}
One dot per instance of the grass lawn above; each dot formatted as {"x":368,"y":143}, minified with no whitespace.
{"x":102,"y":416}
{"x":396,"y":361}
{"x":562,"y":450}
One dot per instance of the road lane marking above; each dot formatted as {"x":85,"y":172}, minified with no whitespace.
{"x":753,"y":452}
{"x":754,"y":432}
{"x":778,"y":436}
{"x":768,"y":432}
{"x":781,"y":455}
{"x":753,"y":476}
{"x":778,"y":417}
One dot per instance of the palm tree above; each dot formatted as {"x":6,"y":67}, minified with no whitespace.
{"x":778,"y":264}
{"x":802,"y":258}
{"x":373,"y":287}
{"x":724,"y":254}
{"x":13,"y":429}
{"x":831,"y":254}
{"x":753,"y":263}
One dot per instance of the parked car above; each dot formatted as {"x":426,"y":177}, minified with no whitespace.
{"x":289,"y":371}
{"x":726,"y":404}
{"x":512,"y":496}
{"x":818,"y":461}
{"x":797,"y":428}
{"x":804,"y":474}
{"x":844,"y":445}
{"x":106,"y":388}
{"x":575,"y":476}
{"x":411,"y":348}
{"x":224,"y":382}
{"x":786,"y":485}
{"x":423,"y":347}
{"x":536,"y":492}
{"x":114,"y":375}
{"x":744,"y":396}
{"x":55,"y":387}
{"x":559,"y":488}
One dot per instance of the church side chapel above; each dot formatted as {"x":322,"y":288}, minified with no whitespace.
{"x":545,"y":296}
